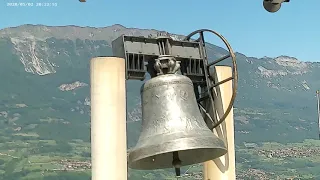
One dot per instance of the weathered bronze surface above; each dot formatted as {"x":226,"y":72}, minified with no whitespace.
{"x":172,"y":125}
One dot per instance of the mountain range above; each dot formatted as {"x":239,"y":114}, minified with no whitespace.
{"x":45,"y":101}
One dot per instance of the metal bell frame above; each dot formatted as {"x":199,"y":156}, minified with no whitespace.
{"x":210,"y":81}
{"x":139,"y":50}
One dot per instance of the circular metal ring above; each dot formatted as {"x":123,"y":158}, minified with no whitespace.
{"x":234,"y":72}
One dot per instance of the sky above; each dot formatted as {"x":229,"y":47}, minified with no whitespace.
{"x":294,"y":30}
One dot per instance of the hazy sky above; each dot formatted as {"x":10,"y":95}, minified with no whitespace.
{"x":293,"y":31}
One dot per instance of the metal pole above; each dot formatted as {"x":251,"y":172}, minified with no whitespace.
{"x":108,"y":119}
{"x":222,"y":168}
{"x":318,"y":109}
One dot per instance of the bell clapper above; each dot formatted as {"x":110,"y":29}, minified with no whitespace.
{"x":176,"y":162}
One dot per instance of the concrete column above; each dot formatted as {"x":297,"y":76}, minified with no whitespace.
{"x":222,"y":168}
{"x":108,"y":119}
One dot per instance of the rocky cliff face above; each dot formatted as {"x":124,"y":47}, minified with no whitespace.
{"x":37,"y":52}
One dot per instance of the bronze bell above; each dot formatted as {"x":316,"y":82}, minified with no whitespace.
{"x":174,"y":132}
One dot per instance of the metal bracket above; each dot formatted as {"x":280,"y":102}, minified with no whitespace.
{"x":141,"y":54}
